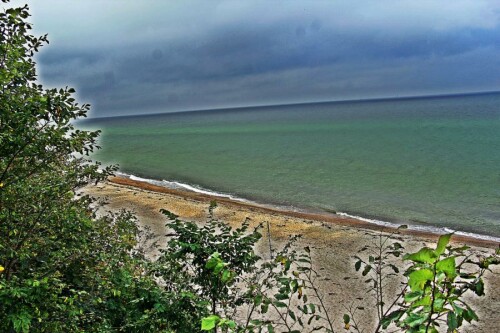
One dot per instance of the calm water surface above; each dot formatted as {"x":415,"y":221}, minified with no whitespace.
{"x":426,"y":161}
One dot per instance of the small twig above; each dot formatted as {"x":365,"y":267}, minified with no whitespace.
{"x":269,"y":239}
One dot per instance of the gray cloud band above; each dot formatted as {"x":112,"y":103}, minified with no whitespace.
{"x":295,"y":57}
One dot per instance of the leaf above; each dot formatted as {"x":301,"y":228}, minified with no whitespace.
{"x":393,"y":316}
{"x":218,"y":268}
{"x":467,"y":276}
{"x":363,"y":249}
{"x":346,"y":318}
{"x":394,"y":268}
{"x":415,"y":319}
{"x":442,"y":242}
{"x":226,"y":275}
{"x":168,"y":214}
{"x":470,"y":315}
{"x":366,"y":270}
{"x":426,"y":301}
{"x":413,"y":296}
{"x":418,"y":279}
{"x":447,"y":266}
{"x":256,"y":322}
{"x":478,"y":287}
{"x":397,"y":246}
{"x":357,"y":265}
{"x":226,"y":322}
{"x":279,"y":304}
{"x":209,"y":323}
{"x":281,"y":297}
{"x":213,"y":261}
{"x":281,"y":259}
{"x":452,"y":321}
{"x":433,"y":329}
{"x":424,"y":255}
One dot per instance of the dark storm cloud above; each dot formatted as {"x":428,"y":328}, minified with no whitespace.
{"x":166,"y":57}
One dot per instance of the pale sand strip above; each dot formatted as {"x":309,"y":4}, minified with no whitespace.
{"x":333,"y":239}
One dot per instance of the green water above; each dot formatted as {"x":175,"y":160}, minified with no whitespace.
{"x":433,"y":161}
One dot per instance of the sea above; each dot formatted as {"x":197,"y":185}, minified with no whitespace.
{"x":432,"y":163}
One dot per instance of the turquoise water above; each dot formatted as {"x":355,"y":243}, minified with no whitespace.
{"x":426,"y":161}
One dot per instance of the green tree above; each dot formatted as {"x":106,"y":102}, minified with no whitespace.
{"x":62,"y":269}
{"x":208,"y":262}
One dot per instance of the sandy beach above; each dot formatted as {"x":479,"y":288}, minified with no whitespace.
{"x":333,"y":239}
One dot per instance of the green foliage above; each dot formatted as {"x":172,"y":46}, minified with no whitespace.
{"x":209,"y":323}
{"x":380,"y":268}
{"x":208,"y":261}
{"x":282,"y":294}
{"x":63,"y":269}
{"x":212,"y":322}
{"x":436,"y":282}
{"x":217,"y":265}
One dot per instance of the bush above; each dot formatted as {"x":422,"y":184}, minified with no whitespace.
{"x":432,"y":295}
{"x":62,"y":269}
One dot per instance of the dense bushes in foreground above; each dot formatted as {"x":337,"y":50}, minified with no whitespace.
{"x":63,"y":268}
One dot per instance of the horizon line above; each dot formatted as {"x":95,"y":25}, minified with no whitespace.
{"x":361,"y":100}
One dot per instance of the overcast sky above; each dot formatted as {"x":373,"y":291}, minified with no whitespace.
{"x":133,"y":57}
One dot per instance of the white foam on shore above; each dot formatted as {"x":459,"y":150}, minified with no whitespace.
{"x":139,"y":179}
{"x":473,"y":235}
{"x":198,"y":189}
{"x":431,"y":229}
{"x":178,"y":185}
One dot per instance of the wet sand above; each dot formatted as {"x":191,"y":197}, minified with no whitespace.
{"x":333,"y":240}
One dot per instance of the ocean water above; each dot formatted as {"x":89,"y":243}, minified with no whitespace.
{"x":427,"y":162}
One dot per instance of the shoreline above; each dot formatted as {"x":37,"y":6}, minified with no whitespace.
{"x":339,"y":219}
